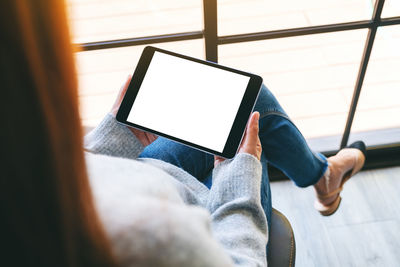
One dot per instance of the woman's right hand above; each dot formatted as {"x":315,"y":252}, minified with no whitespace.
{"x":251,"y":142}
{"x":144,"y":137}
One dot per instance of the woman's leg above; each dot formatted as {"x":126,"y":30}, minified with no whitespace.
{"x":200,"y":164}
{"x":284,"y":146}
{"x":266,"y":201}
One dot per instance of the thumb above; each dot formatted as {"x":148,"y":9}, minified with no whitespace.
{"x":251,"y":136}
{"x":251,"y":142}
{"x":123,"y":89}
{"x":120,"y":96}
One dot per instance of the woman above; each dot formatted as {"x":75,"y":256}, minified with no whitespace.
{"x":132,"y":199}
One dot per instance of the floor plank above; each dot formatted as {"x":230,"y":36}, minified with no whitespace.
{"x":365,"y":231}
{"x":367,"y":244}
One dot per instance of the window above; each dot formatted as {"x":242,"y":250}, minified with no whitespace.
{"x":101,"y":73}
{"x":313,"y":76}
{"x":98,"y":20}
{"x":332,"y":64}
{"x":380,"y":96}
{"x":236,"y":17}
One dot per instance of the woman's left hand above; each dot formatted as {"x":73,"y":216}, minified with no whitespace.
{"x":251,"y":141}
{"x":144,"y":137}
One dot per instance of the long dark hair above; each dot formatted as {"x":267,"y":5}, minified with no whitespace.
{"x":47,"y":216}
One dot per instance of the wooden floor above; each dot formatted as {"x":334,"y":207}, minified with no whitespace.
{"x":365,"y":231}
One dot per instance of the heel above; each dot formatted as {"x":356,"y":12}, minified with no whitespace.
{"x":329,"y":209}
{"x":359,"y":145}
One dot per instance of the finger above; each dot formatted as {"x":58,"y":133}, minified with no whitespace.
{"x":122,"y":91}
{"x":127,"y":82}
{"x":253,"y":125}
{"x":218,"y":160}
{"x":244,"y":136}
{"x":120,"y":96}
{"x":124,"y":87}
{"x":148,"y":141}
{"x":153,"y":137}
{"x":251,"y":135}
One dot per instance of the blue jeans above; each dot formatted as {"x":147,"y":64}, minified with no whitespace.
{"x":283,"y":146}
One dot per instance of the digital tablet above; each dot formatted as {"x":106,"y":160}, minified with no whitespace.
{"x":195,"y":102}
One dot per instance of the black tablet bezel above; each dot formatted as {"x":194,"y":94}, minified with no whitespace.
{"x":242,"y":116}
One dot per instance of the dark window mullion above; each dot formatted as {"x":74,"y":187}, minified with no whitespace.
{"x":362,"y":70}
{"x":210,"y":29}
{"x":141,"y":40}
{"x":390,"y":21}
{"x":293,"y":32}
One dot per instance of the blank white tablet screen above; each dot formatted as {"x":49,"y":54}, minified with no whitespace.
{"x":188,"y":100}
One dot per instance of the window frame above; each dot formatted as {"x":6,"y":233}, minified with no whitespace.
{"x":377,"y":155}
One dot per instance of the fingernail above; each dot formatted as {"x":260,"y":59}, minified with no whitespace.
{"x":257,"y":115}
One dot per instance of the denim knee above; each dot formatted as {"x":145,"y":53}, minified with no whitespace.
{"x":267,"y":102}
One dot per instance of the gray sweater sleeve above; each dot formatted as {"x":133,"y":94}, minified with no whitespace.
{"x":238,"y":221}
{"x":237,"y":218}
{"x":113,"y":139}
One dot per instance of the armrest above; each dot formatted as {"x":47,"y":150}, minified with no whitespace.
{"x":282,"y":245}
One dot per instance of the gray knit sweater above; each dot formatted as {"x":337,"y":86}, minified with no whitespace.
{"x":156,"y":214}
